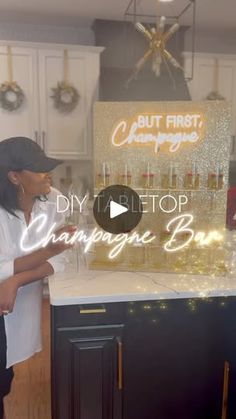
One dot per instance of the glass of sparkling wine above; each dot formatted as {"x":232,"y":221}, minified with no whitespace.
{"x":72,"y":219}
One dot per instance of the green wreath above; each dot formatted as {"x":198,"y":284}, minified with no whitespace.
{"x":65,"y":97}
{"x":214,"y":95}
{"x":11,"y":96}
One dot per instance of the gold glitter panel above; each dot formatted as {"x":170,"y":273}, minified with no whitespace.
{"x":196,"y":167}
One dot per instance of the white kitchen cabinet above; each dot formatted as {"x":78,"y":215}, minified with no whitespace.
{"x":37,"y":69}
{"x":70,"y":134}
{"x":24,"y":121}
{"x":204,"y":78}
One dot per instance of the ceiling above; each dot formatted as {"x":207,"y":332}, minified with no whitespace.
{"x":213,"y":14}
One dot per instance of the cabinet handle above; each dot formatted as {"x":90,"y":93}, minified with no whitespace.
{"x":36,"y":136}
{"x":92,"y":310}
{"x":43,"y":139}
{"x":225,"y":391}
{"x":120,"y":364}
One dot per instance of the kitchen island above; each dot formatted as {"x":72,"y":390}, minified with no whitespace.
{"x":137,"y":345}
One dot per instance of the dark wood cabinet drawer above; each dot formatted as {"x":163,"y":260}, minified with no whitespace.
{"x":88,"y":314}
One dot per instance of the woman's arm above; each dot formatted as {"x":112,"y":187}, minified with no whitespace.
{"x":33,"y":260}
{"x":9,"y":287}
{"x":38,"y":257}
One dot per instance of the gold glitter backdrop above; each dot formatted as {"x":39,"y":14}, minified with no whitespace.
{"x":198,"y":169}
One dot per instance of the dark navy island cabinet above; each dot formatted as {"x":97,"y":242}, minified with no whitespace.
{"x":165,"y":359}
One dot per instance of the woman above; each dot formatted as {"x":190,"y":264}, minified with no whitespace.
{"x":25,"y":192}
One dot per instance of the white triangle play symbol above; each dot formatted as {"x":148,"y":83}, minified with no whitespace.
{"x":116,"y":209}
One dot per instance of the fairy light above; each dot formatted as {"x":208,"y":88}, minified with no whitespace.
{"x":147,"y":307}
{"x":163,"y":306}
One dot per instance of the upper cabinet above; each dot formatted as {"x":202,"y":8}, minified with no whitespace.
{"x":38,"y":69}
{"x":67,"y":134}
{"x":213,"y":72}
{"x":24,"y":121}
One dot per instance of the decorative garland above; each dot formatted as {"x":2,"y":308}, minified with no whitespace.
{"x":65,"y":97}
{"x":11,"y":96}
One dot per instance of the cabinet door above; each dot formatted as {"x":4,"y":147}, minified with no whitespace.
{"x":174,"y":359}
{"x":227,"y":327}
{"x":68,"y":136}
{"x":203,"y":76}
{"x":204,"y":79}
{"x":87,"y":373}
{"x":23,"y":121}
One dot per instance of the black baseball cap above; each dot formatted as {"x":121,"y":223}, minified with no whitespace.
{"x":22,"y":153}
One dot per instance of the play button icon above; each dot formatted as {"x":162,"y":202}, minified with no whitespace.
{"x":117,"y":209}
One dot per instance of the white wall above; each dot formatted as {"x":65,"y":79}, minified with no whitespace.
{"x":52,"y":33}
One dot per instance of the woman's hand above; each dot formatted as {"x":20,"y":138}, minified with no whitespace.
{"x":60,"y":246}
{"x":8,"y":292}
{"x":9,"y":287}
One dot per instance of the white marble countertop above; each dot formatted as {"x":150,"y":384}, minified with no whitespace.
{"x":90,"y":287}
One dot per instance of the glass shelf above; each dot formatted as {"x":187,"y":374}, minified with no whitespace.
{"x":167,"y":190}
{"x":178,"y":190}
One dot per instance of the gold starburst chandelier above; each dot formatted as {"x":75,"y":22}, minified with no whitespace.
{"x":157,"y":38}
{"x":157,"y":52}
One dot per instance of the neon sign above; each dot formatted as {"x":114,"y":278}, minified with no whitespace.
{"x":177,"y":226}
{"x":163,"y":132}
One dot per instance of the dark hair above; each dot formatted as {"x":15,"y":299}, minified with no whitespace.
{"x":9,"y":194}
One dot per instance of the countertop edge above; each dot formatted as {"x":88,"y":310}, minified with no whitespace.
{"x":173,"y":295}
